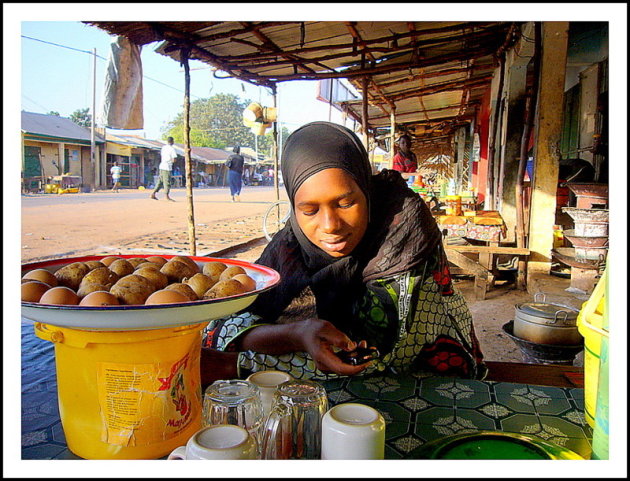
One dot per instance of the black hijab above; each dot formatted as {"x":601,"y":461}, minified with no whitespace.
{"x":401,"y":232}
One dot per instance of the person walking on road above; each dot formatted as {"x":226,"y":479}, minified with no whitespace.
{"x":115,"y":171}
{"x":234,"y":164}
{"x":168,"y":155}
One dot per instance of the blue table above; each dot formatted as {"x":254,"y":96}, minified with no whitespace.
{"x":416,"y":410}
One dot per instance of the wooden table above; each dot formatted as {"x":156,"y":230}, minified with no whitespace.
{"x":473,"y":227}
{"x":485,"y":268}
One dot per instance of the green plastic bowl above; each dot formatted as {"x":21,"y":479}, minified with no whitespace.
{"x":493,"y":445}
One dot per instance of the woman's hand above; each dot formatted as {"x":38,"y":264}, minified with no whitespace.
{"x":318,"y":337}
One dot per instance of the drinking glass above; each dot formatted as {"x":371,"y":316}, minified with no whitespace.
{"x":293,"y":428}
{"x":234,"y":402}
{"x":268,"y":382}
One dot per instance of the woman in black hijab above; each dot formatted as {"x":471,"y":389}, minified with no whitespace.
{"x":368,"y":249}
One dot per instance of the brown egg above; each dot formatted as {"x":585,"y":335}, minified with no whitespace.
{"x":166,"y":296}
{"x":32,"y":291}
{"x":188,"y":261}
{"x":159,"y":280}
{"x":160,"y":261}
{"x":184,"y":289}
{"x":60,"y":295}
{"x":248,"y":283}
{"x":214,"y":269}
{"x":109,"y":259}
{"x":94,"y":264}
{"x":136,"y":261}
{"x":101,"y":275}
{"x":71,"y":275}
{"x":122,"y":267}
{"x":226,"y":288}
{"x":42,"y":275}
{"x":99,"y":298}
{"x":231,"y":272}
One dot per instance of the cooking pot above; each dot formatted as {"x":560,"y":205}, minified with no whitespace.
{"x":545,"y":323}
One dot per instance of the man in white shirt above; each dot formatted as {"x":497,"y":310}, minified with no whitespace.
{"x":166,"y":166}
{"x":115,"y":171}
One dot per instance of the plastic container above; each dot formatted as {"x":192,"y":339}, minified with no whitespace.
{"x":600,"y":431}
{"x":453,"y":205}
{"x":590,"y":322}
{"x":127,"y":394}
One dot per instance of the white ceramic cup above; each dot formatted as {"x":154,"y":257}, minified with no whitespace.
{"x":268,"y":382}
{"x":353,"y":431}
{"x":221,"y":441}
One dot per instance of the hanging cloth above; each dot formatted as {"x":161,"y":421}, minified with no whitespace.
{"x":122,"y":106}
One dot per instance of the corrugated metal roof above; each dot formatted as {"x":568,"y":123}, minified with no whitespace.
{"x":54,"y":126}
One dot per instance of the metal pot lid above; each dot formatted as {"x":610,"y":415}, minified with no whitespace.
{"x":547,"y":311}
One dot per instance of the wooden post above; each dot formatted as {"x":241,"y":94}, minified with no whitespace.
{"x":276,"y":155}
{"x":516,"y":80}
{"x":392,"y":135}
{"x":546,"y":149}
{"x":364,"y":117}
{"x":92,"y":181}
{"x":491,"y":201}
{"x":189,"y":187}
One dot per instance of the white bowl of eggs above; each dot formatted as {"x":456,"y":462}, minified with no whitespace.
{"x":131,"y":292}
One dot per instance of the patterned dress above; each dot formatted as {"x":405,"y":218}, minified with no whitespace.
{"x":416,"y":319}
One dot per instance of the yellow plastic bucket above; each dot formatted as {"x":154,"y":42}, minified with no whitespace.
{"x":590,"y":323}
{"x":127,"y":394}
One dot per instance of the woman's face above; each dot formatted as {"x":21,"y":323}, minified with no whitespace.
{"x":332,"y":211}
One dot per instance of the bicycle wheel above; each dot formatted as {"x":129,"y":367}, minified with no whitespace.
{"x":275,"y":218}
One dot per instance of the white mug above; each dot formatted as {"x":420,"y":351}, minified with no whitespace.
{"x":268,"y":382}
{"x":221,"y":441}
{"x":353,"y":431}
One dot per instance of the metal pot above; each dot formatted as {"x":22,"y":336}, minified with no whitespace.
{"x":545,"y":323}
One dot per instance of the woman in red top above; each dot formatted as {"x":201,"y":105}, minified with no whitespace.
{"x":405,"y":160}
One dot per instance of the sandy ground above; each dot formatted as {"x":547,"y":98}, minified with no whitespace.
{"x":105,"y":223}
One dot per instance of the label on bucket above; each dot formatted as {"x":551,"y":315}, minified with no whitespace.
{"x":144,"y":403}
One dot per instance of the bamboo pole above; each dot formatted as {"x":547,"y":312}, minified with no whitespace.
{"x":187,"y":161}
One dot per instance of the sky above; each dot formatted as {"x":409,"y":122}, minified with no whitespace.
{"x":39,"y":77}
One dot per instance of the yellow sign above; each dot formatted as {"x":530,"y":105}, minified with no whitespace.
{"x":118,"y":149}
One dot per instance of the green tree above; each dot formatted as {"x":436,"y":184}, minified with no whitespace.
{"x":53,"y":112}
{"x":219,"y":117}
{"x":198,"y":138}
{"x":82,"y":117}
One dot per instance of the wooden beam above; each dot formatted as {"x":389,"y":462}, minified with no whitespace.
{"x":546,"y":147}
{"x":481,"y":274}
{"x":517,"y":251}
{"x":364,"y":117}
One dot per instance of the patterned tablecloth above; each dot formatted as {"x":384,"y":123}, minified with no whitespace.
{"x":416,"y":410}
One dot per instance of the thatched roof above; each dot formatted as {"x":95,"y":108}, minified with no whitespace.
{"x":432,"y":74}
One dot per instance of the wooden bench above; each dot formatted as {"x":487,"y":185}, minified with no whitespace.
{"x":484,"y":269}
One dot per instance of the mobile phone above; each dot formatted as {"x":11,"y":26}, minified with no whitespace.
{"x":358,"y":356}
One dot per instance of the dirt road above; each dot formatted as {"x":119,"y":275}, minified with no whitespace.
{"x":103,"y":222}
